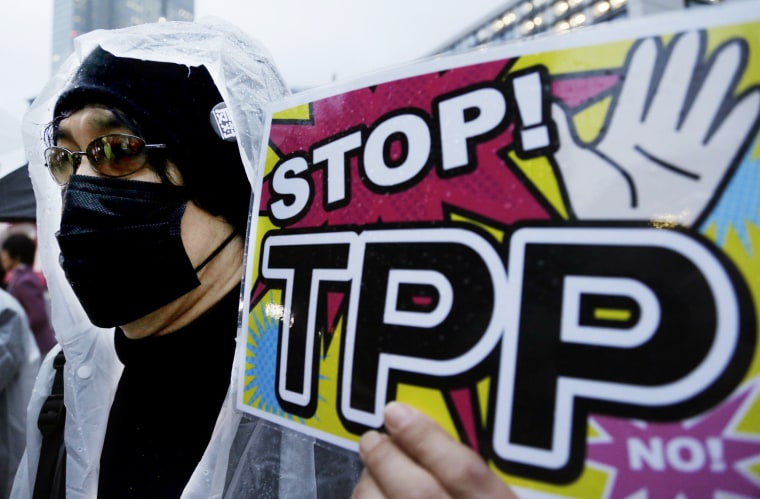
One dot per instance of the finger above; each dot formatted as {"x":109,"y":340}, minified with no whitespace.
{"x":630,"y":107}
{"x":563,"y":126}
{"x":461,"y":471}
{"x":395,"y":474}
{"x":717,"y":85}
{"x":570,"y":146}
{"x":728,"y":140}
{"x":576,"y":164}
{"x":673,"y":86}
{"x":367,"y":488}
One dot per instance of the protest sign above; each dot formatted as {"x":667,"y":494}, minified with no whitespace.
{"x":552,"y":248}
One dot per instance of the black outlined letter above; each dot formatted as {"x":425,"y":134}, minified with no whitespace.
{"x":462,"y":275}
{"x":559,"y":362}
{"x":302,"y":261}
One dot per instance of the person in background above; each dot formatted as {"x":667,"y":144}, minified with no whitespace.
{"x":17,"y":258}
{"x":19,"y":362}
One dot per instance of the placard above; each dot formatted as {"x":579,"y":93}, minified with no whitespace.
{"x":552,"y":248}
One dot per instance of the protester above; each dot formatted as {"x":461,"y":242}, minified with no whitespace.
{"x":19,"y":361}
{"x":151,"y":239}
{"x":155,"y":206}
{"x":17,"y":258}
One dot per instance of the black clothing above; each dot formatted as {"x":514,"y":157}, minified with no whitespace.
{"x":167,"y":402}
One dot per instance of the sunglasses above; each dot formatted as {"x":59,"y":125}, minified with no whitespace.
{"x":114,"y":155}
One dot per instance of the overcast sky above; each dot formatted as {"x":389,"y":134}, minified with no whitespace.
{"x":312,"y":42}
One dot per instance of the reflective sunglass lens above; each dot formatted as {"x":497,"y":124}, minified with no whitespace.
{"x":60,"y":162}
{"x":116,"y":155}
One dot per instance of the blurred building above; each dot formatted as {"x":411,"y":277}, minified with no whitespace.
{"x":72,"y":18}
{"x":522,"y":18}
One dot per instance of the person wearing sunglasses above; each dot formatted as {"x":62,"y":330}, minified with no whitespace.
{"x":142,"y":244}
{"x":151,"y":249}
{"x":146,"y":231}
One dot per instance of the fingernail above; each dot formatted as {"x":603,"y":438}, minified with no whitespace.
{"x":368,"y":442}
{"x":397,"y":415}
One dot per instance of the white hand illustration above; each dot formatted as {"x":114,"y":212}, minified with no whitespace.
{"x":673,"y":133}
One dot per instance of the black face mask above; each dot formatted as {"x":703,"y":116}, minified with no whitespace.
{"x":121,"y":247}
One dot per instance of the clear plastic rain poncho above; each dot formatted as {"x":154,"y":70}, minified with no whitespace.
{"x":246,"y":457}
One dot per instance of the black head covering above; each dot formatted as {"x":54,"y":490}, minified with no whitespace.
{"x":172,"y":104}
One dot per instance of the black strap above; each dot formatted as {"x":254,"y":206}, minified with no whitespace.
{"x":216,"y":251}
{"x":50,"y":482}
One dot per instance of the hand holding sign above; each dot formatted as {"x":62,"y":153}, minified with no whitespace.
{"x":420,"y":456}
{"x":672,"y":134}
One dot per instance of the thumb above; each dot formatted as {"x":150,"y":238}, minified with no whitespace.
{"x":579,"y":169}
{"x":564,"y":125}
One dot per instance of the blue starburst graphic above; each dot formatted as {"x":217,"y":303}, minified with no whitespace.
{"x":261,"y":356}
{"x":739,"y":205}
